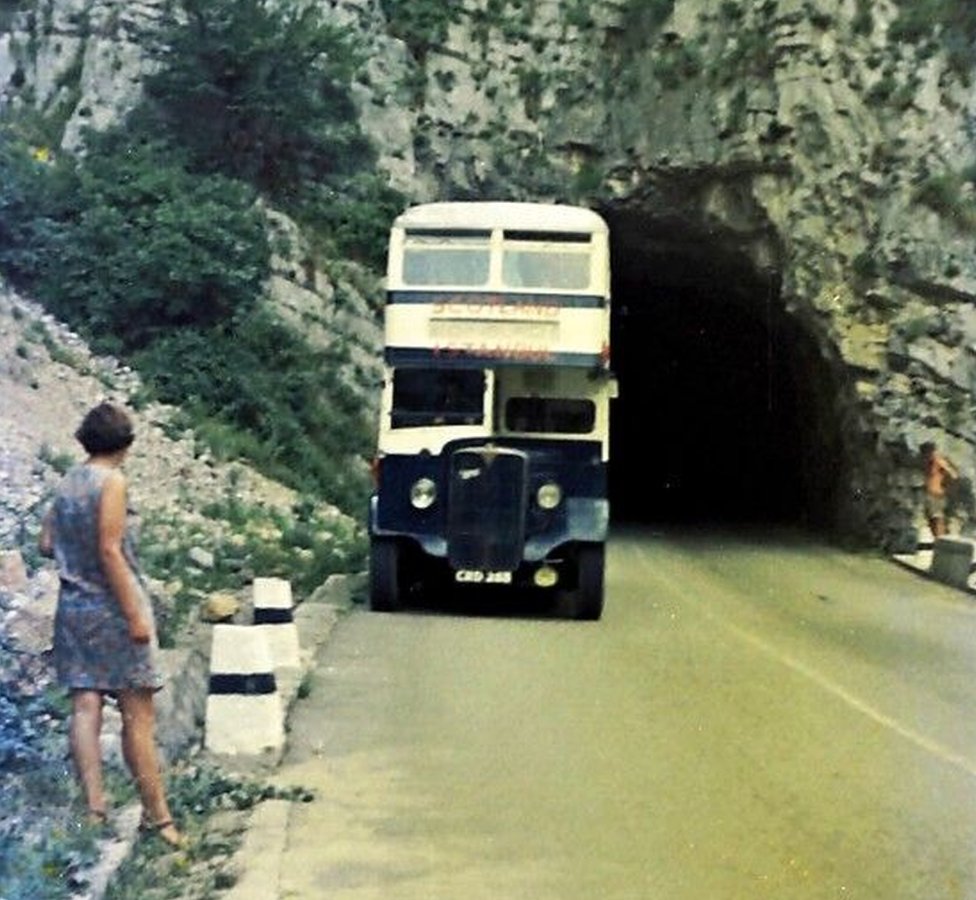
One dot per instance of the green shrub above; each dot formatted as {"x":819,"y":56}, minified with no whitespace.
{"x":865,"y":266}
{"x":754,"y":54}
{"x":640,"y":21}
{"x":944,"y":194}
{"x":8,"y":11}
{"x":953,"y":20}
{"x":41,"y":846}
{"x":863,"y":21}
{"x":883,"y":90}
{"x":648,"y":14}
{"x":732,"y":11}
{"x":676,"y":63}
{"x":578,"y":15}
{"x":916,"y":20}
{"x":915,"y":328}
{"x":352,"y":219}
{"x":305,"y":545}
{"x":821,"y":20}
{"x":259,"y":91}
{"x":140,"y":246}
{"x":154,"y":247}
{"x":420,"y":24}
{"x":42,"y":866}
{"x":59,"y":461}
{"x":588,"y":179}
{"x":29,"y":197}
{"x":279,"y":401}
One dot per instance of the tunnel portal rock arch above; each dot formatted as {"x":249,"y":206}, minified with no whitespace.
{"x":727,"y":401}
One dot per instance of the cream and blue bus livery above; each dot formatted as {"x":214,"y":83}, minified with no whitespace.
{"x":495,"y":412}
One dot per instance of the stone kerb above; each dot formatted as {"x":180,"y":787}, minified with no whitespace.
{"x":245,"y":715}
{"x":274,"y":614}
{"x":952,"y":560}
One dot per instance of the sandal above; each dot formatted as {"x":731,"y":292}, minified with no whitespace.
{"x":166,"y":831}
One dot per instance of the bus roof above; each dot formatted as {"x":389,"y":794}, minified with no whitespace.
{"x":502,"y":214}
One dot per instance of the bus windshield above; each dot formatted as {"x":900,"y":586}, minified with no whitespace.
{"x":425,"y":397}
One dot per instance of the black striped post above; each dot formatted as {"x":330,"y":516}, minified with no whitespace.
{"x":245,"y":715}
{"x":274,"y":613}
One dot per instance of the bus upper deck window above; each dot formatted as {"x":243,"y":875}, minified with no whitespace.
{"x":561,"y":261}
{"x":562,"y":271}
{"x":446,"y":258}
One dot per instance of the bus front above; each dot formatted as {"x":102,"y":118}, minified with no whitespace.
{"x":494,"y":424}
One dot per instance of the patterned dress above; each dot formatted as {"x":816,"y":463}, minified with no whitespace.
{"x":92,"y":647}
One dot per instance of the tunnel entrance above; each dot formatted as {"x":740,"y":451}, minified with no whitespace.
{"x":724,"y":408}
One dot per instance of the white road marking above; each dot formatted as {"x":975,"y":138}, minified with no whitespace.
{"x":920,"y":740}
{"x":930,"y":746}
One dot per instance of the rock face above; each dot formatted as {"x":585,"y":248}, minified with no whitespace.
{"x":799,"y":165}
{"x":78,"y":59}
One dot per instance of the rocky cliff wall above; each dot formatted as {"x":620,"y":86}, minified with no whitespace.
{"x":787,"y":157}
{"x":786,"y":145}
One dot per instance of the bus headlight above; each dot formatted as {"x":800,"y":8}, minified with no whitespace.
{"x":549,"y":496}
{"x":423,"y":493}
{"x":545,"y":577}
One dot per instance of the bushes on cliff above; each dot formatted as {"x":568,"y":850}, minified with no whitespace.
{"x":127,"y":244}
{"x":252,"y":374}
{"x":166,"y":268}
{"x":140,"y":246}
{"x":259,"y":91}
{"x":28,"y":192}
{"x":153,"y":245}
{"x":420,"y":24}
{"x":952,"y":21}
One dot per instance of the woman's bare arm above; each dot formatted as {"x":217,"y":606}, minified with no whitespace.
{"x":111,"y":529}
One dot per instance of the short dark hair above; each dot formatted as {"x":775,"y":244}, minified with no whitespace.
{"x":927,"y":447}
{"x":105,"y":429}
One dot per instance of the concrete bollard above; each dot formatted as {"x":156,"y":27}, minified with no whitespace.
{"x":952,"y":561}
{"x":245,"y":715}
{"x":274,"y":614}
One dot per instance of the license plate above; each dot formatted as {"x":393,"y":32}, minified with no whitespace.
{"x":476,"y":576}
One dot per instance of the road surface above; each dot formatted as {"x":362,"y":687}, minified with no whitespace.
{"x":753,"y":717}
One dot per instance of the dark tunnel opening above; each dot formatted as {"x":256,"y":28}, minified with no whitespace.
{"x":724,"y":414}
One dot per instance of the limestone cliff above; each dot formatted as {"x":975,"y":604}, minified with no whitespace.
{"x":799,"y":161}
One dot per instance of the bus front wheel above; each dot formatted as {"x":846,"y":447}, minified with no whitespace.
{"x":384,"y":574}
{"x":589,"y":592}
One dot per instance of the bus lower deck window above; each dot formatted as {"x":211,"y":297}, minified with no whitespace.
{"x":550,"y":415}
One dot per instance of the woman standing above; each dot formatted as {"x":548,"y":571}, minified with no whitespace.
{"x":104,"y":634}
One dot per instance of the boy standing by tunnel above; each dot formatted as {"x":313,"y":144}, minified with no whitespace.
{"x":937,"y":470}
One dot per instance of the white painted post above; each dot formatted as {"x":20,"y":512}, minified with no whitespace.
{"x":952,"y":560}
{"x":245,"y":715}
{"x":274,"y":615}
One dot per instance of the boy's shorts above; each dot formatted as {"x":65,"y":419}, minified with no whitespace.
{"x":935,"y":507}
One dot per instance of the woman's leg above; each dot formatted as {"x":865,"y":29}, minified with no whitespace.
{"x":86,"y":751}
{"x":139,"y":751}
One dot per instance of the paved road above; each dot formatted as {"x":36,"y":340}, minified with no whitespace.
{"x":752,"y":718}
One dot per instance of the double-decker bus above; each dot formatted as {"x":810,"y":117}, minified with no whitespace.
{"x":493,"y":443}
